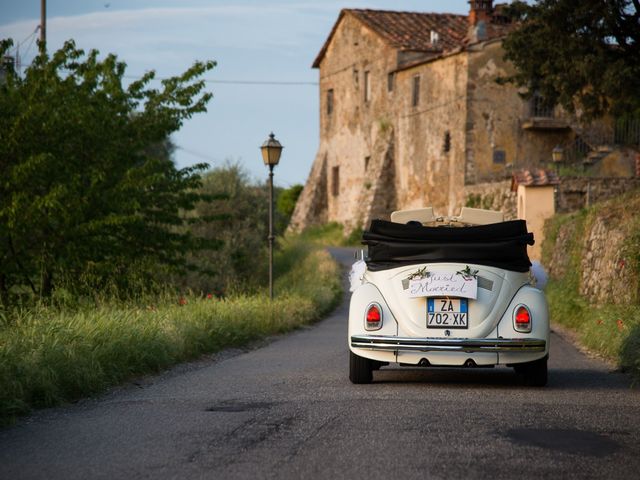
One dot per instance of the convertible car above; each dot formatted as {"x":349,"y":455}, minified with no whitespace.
{"x":447,"y":291}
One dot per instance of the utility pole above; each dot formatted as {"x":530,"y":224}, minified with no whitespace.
{"x":43,"y":24}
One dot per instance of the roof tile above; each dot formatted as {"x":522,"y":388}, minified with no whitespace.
{"x":534,"y":178}
{"x":412,"y":30}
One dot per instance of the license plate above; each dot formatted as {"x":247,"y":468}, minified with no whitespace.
{"x":447,"y":312}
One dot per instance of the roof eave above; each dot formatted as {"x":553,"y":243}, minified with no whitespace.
{"x":422,"y":61}
{"x":445,"y":54}
{"x":325,"y":46}
{"x":343,"y":12}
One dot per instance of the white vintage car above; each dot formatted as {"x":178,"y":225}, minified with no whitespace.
{"x":454,"y":292}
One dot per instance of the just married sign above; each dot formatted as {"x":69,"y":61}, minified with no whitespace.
{"x":444,"y":284}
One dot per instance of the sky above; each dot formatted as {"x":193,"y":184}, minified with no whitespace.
{"x":263,"y":81}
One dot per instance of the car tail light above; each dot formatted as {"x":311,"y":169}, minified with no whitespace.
{"x":522,"y":319}
{"x":373,"y":317}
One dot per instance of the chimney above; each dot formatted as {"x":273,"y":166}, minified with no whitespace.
{"x":480,"y":11}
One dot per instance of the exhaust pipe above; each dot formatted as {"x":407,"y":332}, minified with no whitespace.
{"x":470,"y":363}
{"x":424,"y":362}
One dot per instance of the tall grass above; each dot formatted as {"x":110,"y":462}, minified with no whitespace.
{"x":49,"y":355}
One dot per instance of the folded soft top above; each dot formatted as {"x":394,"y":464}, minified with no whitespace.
{"x":501,"y":245}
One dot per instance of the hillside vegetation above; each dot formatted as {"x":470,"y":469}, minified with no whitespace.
{"x":593,"y":258}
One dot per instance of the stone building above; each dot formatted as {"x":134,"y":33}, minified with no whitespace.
{"x":411,"y":115}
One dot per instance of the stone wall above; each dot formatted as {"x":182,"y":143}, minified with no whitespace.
{"x":378,"y":197}
{"x":430,"y":140}
{"x":311,"y":207}
{"x":492,"y":196}
{"x":575,"y":193}
{"x":356,"y":134}
{"x":603,"y":277}
{"x":571,"y":194}
{"x":558,"y":263}
{"x":496,"y":114}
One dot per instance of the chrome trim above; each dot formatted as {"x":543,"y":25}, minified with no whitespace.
{"x":469,"y":345}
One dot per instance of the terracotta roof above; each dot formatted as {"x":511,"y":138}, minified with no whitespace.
{"x":412,"y":30}
{"x":534,"y":178}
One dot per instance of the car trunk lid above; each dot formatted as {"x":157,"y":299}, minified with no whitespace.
{"x":415,"y":315}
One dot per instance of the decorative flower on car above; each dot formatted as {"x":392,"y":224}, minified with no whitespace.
{"x":419,"y":274}
{"x":468,"y":273}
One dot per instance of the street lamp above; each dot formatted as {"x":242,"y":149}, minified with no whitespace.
{"x":271,"y":150}
{"x":557,"y":154}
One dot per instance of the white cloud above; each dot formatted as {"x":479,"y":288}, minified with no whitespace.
{"x":171,"y":38}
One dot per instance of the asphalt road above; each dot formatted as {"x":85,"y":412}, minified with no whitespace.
{"x":287,"y":410}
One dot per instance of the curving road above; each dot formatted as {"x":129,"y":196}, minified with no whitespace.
{"x":287,"y":410}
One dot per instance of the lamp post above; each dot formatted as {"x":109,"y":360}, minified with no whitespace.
{"x":271,"y":150}
{"x":557,"y":154}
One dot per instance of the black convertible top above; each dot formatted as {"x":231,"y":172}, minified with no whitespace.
{"x":502,"y":245}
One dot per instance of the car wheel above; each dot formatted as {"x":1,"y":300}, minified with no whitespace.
{"x":533,"y":374}
{"x":360,"y":369}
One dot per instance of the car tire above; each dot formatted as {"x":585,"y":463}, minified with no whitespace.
{"x":360,"y":369}
{"x":378,"y":365}
{"x":533,"y":374}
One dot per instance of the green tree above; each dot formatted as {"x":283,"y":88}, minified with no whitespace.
{"x":583,"y":55}
{"x":238,"y":220}
{"x":87,"y":186}
{"x":287,"y":199}
{"x":285,"y":205}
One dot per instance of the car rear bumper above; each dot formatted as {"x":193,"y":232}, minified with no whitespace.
{"x":410,"y":344}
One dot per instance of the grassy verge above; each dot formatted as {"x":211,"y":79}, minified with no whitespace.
{"x":50,"y":356}
{"x":611,"y":330}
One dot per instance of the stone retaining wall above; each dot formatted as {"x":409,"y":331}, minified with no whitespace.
{"x":492,"y":196}
{"x":575,"y":193}
{"x":604,"y":278}
{"x":601,"y":241}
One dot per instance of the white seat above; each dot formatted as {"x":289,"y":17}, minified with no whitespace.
{"x":422,"y":215}
{"x":478,"y":216}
